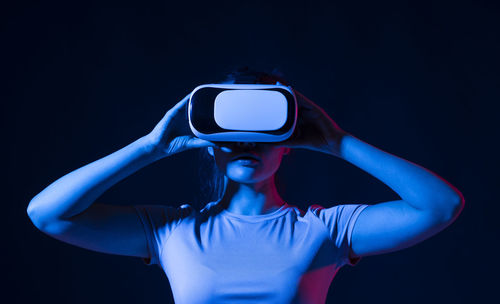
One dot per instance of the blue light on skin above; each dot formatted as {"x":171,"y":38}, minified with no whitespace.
{"x":249,"y":189}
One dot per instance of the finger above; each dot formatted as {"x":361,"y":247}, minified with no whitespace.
{"x":177,"y":111}
{"x":304,"y":101}
{"x":181,"y":103}
{"x":201,"y":143}
{"x":303,"y":105}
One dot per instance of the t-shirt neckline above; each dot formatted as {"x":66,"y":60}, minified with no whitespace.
{"x":254,"y":218}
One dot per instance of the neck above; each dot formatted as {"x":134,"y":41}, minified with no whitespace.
{"x":251,"y":199}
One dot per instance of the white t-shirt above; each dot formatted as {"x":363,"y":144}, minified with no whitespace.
{"x":216,"y":256}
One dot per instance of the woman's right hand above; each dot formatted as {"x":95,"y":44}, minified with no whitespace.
{"x":173,"y":135}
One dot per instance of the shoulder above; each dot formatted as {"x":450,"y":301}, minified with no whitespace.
{"x":318,"y":210}
{"x":312,"y":209}
{"x":338,"y":215}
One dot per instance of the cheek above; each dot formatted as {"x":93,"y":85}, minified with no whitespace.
{"x":222,"y":162}
{"x":273,"y":161}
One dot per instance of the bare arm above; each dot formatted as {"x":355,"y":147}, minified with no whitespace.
{"x":428,"y":203}
{"x":77,"y":190}
{"x":65,"y":209}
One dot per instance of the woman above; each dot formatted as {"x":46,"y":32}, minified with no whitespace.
{"x":247,"y":245}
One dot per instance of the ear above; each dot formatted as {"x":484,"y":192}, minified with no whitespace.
{"x":210,"y":150}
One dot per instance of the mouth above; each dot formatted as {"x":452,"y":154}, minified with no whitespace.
{"x":246,"y":156}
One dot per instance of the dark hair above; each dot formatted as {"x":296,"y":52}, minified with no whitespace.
{"x":244,"y":74}
{"x":210,"y":177}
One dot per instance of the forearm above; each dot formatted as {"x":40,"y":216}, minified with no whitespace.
{"x":77,"y":190}
{"x":416,"y":185}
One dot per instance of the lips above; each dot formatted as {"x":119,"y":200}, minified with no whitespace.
{"x":246,"y":156}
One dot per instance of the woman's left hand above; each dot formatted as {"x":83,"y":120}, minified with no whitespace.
{"x":314,"y":130}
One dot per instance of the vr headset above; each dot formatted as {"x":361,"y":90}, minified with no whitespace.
{"x":242,"y":112}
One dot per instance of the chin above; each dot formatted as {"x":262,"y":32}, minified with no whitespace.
{"x":247,"y":178}
{"x":243,"y":179}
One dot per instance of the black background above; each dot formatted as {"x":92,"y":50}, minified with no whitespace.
{"x":417,"y":79}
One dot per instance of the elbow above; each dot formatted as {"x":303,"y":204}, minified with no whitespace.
{"x":36,"y":216}
{"x":32,"y":214}
{"x":456,"y":204}
{"x":460,"y":206}
{"x":44,"y":221}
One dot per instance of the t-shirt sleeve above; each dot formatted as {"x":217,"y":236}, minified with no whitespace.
{"x":340,"y":221}
{"x":159,"y":221}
